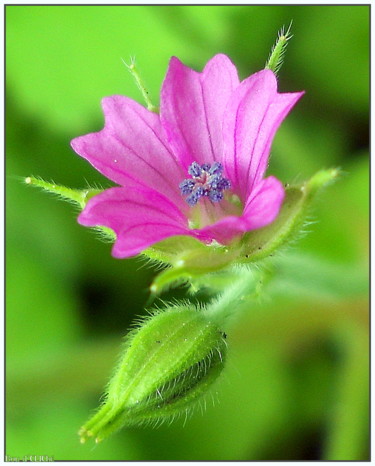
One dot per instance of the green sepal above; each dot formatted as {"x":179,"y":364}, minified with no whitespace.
{"x":276,"y":57}
{"x":78,"y":197}
{"x":258,"y":244}
{"x":168,"y":250}
{"x":167,"y":364}
{"x":194,"y":263}
{"x":189,"y":258}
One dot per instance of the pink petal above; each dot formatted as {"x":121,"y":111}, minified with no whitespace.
{"x":252,"y":117}
{"x":192,"y":108}
{"x":264,"y":203}
{"x":132,"y":147}
{"x":139,"y":216}
{"x":139,"y":237}
{"x":260,"y":210}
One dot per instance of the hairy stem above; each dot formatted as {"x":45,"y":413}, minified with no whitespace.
{"x":141,"y":86}
{"x":276,"y":58}
{"x":235,"y":298}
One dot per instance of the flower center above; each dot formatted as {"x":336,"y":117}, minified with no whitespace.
{"x":207,"y":180}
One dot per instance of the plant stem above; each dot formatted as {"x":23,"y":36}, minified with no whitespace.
{"x":141,"y":86}
{"x":276,"y":58}
{"x":349,"y":423}
{"x":232,"y":301}
{"x":77,"y":196}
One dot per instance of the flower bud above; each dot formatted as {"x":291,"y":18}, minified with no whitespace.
{"x":167,"y":364}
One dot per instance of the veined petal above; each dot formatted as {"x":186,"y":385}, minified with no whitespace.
{"x":264,"y":203}
{"x":140,"y":237}
{"x":192,"y":108}
{"x":208,"y":120}
{"x":139,"y":216}
{"x":132,"y":146}
{"x":261,"y":209}
{"x":251,"y":119}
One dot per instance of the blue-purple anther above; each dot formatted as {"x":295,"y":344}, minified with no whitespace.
{"x":207,"y":180}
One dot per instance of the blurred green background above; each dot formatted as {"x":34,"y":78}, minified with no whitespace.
{"x":296,"y":383}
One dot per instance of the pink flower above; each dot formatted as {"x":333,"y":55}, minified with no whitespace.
{"x":197,"y":168}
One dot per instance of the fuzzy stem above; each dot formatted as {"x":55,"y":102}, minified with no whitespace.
{"x":276,"y":58}
{"x":141,"y":86}
{"x":232,"y":301}
{"x":77,"y":196}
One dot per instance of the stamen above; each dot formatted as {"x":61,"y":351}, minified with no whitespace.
{"x":207,"y":180}
{"x":223,"y":184}
{"x":216,"y":168}
{"x":195,"y":196}
{"x":215,"y":195}
{"x":187,"y":186}
{"x":195,"y":170}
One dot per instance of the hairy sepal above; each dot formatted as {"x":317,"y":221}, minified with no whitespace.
{"x":189,"y":258}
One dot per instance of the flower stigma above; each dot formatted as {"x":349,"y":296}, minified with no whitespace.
{"x":207,"y":180}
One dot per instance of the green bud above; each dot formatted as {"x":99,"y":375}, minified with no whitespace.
{"x":167,"y":364}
